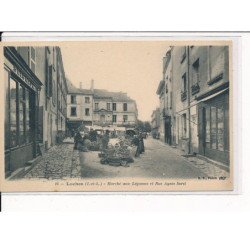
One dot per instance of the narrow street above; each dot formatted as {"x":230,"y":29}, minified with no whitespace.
{"x":158,"y":161}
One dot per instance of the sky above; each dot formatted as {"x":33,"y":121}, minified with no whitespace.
{"x":134,"y":67}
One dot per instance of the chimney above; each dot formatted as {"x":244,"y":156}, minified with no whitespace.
{"x":80,"y":85}
{"x":92,"y":85}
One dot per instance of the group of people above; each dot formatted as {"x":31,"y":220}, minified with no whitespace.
{"x":92,"y":135}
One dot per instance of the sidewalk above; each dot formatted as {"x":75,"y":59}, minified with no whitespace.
{"x":56,"y":163}
{"x":210,"y":168}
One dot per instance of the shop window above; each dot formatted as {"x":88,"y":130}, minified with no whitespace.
{"x":22,"y":113}
{"x":87,"y":99}
{"x":13,"y":113}
{"x":87,"y":112}
{"x":28,"y":116}
{"x":7,"y":108}
{"x":73,"y":111}
{"x":125,"y":107}
{"x":208,"y":135}
{"x":114,"y":106}
{"x":114,"y":118}
{"x":220,"y":129}
{"x":108,"y":106}
{"x":213,"y":128}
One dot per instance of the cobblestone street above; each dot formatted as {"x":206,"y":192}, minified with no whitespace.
{"x":158,"y":161}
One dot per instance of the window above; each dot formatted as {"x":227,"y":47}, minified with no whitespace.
{"x":184,"y":125}
{"x":125,"y":118}
{"x":125,"y":107}
{"x":13,"y":113}
{"x":114,"y":106}
{"x":7,"y":108}
{"x":114,"y":118}
{"x":73,"y":111}
{"x":87,"y":99}
{"x":184,"y":54}
{"x":108,"y":106}
{"x":184,"y":82}
{"x":196,"y":72}
{"x":33,"y":59}
{"x":96,"y":106}
{"x":50,"y":81}
{"x":73,"y":99}
{"x":20,"y":115}
{"x":215,"y":128}
{"x":87,"y":112}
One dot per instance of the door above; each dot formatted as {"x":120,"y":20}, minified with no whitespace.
{"x":102,"y":118}
{"x":168,"y":134}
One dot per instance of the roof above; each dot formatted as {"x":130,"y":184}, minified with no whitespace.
{"x":74,"y":90}
{"x":115,"y":96}
{"x":99,"y":93}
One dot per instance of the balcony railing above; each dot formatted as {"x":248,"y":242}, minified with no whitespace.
{"x":183,"y":96}
{"x":195,"y":88}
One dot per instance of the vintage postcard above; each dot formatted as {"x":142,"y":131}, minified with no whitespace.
{"x":136,"y":114}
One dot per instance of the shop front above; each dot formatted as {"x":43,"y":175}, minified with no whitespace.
{"x":21,"y":113}
{"x":214,"y":127}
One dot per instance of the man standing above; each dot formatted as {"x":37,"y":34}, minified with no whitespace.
{"x":105,"y":140}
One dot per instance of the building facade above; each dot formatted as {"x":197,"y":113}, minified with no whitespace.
{"x":35,"y":93}
{"x":22,"y":90}
{"x":79,"y":107}
{"x":53,"y":96}
{"x":99,"y":107}
{"x":199,"y":100}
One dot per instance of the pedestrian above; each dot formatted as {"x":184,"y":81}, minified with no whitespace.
{"x":77,"y":140}
{"x":135,"y":141}
{"x":105,"y":140}
{"x":92,"y":135}
{"x":141,"y":143}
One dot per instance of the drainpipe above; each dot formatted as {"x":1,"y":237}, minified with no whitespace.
{"x":188,"y":97}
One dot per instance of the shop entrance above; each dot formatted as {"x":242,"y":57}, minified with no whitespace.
{"x":214,"y":129}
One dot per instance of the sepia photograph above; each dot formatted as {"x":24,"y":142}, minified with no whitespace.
{"x":127,"y":115}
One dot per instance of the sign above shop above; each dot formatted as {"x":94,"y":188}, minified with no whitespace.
{"x":23,"y":77}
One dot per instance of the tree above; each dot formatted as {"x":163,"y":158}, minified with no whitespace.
{"x":147,"y":127}
{"x":143,"y":126}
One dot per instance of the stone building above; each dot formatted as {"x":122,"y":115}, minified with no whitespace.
{"x":114,"y":108}
{"x":35,"y":92}
{"x":199,"y":87}
{"x":52,"y":112}
{"x":165,"y":92}
{"x":99,"y":107}
{"x":79,"y":106}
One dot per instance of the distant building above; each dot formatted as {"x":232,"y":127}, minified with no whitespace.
{"x":79,"y":106}
{"x":155,"y":122}
{"x":99,"y":107}
{"x":114,"y":108}
{"x":194,"y":97}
